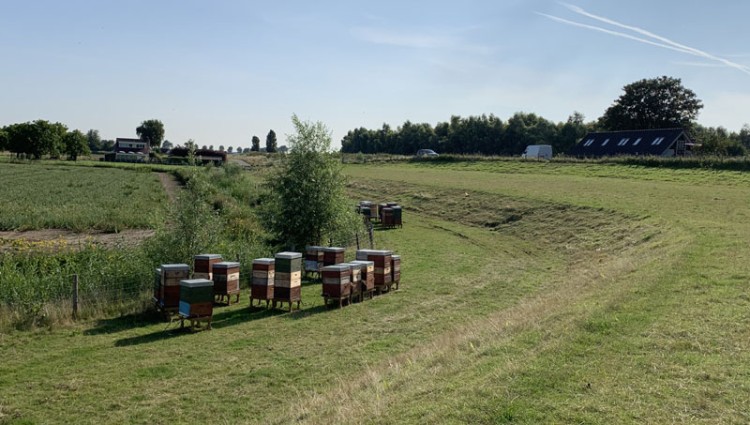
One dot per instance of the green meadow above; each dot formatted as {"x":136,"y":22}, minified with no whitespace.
{"x":530,"y":293}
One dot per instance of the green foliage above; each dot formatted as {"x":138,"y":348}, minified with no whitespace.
{"x":35,"y":139}
{"x":152,"y":132}
{"x":485,"y":135}
{"x":305,"y":203}
{"x":271,"y":141}
{"x":75,"y":143}
{"x":3,"y":139}
{"x":94,"y":140}
{"x":661,"y":102}
{"x":256,"y":144}
{"x":78,"y":198}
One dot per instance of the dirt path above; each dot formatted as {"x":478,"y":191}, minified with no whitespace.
{"x":171,"y":186}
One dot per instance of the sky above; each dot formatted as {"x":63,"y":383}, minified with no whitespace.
{"x":222,"y":71}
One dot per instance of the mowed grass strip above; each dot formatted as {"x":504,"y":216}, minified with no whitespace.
{"x":79,"y":198}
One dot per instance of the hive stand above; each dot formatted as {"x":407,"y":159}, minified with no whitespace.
{"x":195,"y":321}
{"x":281,"y":303}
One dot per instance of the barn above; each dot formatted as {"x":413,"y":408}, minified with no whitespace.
{"x":656,"y":142}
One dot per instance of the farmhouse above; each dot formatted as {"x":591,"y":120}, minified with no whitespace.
{"x":123,"y":145}
{"x":658,"y":142}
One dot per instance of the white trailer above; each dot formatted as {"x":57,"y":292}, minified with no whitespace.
{"x":538,"y":152}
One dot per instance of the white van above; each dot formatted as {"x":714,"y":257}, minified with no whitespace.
{"x":538,"y":152}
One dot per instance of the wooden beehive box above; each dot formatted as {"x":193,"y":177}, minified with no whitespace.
{"x":367,"y":277}
{"x":169,"y":290}
{"x":226,"y":279}
{"x":288,"y":277}
{"x":397,"y":216}
{"x":196,"y":298}
{"x":381,"y":207}
{"x":314,"y":259}
{"x":387,"y":217}
{"x":382,"y":260}
{"x":261,"y":287}
{"x":337,"y":281}
{"x":395,"y":270}
{"x":356,"y":280}
{"x":203,"y":265}
{"x":333,"y":255}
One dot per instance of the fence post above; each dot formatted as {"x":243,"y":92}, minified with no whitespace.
{"x":75,"y":296}
{"x":369,"y":232}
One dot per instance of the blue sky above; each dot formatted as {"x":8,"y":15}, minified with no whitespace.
{"x":220,"y":72}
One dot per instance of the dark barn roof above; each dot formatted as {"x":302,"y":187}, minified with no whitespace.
{"x":659,"y":142}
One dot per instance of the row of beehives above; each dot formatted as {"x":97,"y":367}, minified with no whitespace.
{"x":389,"y":214}
{"x":193,"y":298}
{"x":373,"y":271}
{"x":277,"y":279}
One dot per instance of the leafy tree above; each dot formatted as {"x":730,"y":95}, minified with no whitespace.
{"x":230,"y":149}
{"x":93,"y":140}
{"x":306,"y":203}
{"x":211,"y":147}
{"x":256,"y":144}
{"x":246,"y":150}
{"x":221,"y":148}
{"x":661,"y":102}
{"x":75,"y":143}
{"x":271,"y":141}
{"x":36,"y":138}
{"x":204,"y":147}
{"x":108,"y":145}
{"x":152,"y":132}
{"x":3,"y":139}
{"x":167,"y":145}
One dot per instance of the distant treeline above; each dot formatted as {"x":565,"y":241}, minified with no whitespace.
{"x":489,"y":135}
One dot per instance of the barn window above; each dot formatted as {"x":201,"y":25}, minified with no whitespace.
{"x":638,"y":140}
{"x":588,"y":142}
{"x":604,"y":143}
{"x":623,"y":141}
{"x":657,"y":141}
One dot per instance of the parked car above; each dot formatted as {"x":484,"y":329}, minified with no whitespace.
{"x":426,"y":153}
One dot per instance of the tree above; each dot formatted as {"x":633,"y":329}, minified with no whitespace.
{"x":36,"y":138}
{"x":3,"y":139}
{"x":256,"y":144}
{"x":246,"y":150}
{"x":167,"y":145}
{"x":151,"y":132}
{"x":93,"y":140}
{"x":204,"y":147}
{"x":653,"y":103}
{"x":211,"y":147}
{"x":230,"y":149}
{"x":221,"y":148}
{"x":271,"y":141}
{"x":75,"y":143}
{"x":306,"y":203}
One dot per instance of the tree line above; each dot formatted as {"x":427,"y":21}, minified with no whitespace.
{"x":661,"y":102}
{"x":38,"y":138}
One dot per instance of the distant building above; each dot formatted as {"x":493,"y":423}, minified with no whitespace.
{"x":123,"y":145}
{"x":659,"y":142}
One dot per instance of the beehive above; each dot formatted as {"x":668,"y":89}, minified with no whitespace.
{"x":395,"y":270}
{"x":263,"y":278}
{"x":196,"y":298}
{"x":391,"y":204}
{"x":356,"y":280}
{"x":226,"y":280}
{"x":337,"y":282}
{"x":333,"y":255}
{"x":387,"y":217}
{"x":203,"y":265}
{"x":288,"y":278}
{"x":313,"y":259}
{"x":367,"y":277}
{"x":382,"y":260}
{"x":381,"y":207}
{"x":169,"y":286}
{"x":397,"y":214}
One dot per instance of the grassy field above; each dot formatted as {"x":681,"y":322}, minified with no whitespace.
{"x":531,"y":293}
{"x":78,"y":198}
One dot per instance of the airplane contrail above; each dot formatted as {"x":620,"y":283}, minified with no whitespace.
{"x":651,"y":38}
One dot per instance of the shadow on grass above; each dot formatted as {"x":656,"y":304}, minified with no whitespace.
{"x":153,"y":336}
{"x":242,"y":315}
{"x":123,"y":323}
